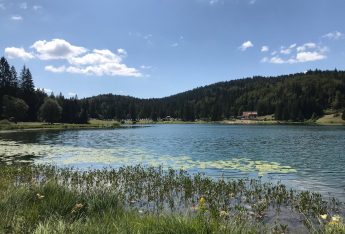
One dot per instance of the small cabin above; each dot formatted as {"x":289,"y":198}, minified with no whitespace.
{"x":249,"y":115}
{"x":167,"y":118}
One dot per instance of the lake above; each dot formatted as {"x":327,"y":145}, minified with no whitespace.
{"x":303,"y":157}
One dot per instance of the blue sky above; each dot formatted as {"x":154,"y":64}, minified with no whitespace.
{"x":155,"y":48}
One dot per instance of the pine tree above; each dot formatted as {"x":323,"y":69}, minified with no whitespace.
{"x":28,"y":94}
{"x":5,"y":76}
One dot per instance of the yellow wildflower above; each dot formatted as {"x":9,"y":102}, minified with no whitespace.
{"x":202,"y":201}
{"x":324,"y":216}
{"x":336,"y":219}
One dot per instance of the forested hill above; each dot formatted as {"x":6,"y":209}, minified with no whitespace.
{"x":294,"y":97}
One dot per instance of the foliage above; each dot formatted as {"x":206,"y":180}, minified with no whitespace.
{"x":343,"y":115}
{"x":50,"y":111}
{"x":295,"y":97}
{"x":14,"y":108}
{"x":22,"y":87}
{"x":45,"y":199}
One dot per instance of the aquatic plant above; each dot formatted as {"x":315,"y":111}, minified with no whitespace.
{"x":39,"y":197}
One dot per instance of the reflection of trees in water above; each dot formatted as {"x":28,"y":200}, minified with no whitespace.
{"x":32,"y":136}
{"x":23,"y":160}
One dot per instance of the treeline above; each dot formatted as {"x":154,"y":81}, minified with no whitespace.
{"x":294,"y":97}
{"x":21,"y":101}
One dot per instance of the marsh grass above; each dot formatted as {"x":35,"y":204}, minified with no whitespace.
{"x":6,"y":125}
{"x":46,"y":199}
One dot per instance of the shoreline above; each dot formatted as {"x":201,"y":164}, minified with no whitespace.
{"x":112,"y":125}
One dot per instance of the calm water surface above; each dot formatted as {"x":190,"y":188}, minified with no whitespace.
{"x":305,"y":157}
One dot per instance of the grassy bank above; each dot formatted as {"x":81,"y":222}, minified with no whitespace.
{"x":6,"y":125}
{"x":42,"y":199}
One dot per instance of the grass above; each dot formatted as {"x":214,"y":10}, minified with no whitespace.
{"x":6,"y":125}
{"x":331,"y":119}
{"x":46,"y":199}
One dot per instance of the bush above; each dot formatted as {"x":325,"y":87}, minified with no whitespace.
{"x":50,"y":111}
{"x":14,"y":108}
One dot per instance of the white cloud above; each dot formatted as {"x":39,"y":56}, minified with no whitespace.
{"x":57,"y":49}
{"x":122,"y":52}
{"x":106,"y":69}
{"x":336,"y":35}
{"x":265,"y":49}
{"x":47,"y":91}
{"x":307,"y":52}
{"x":309,"y":45}
{"x":23,"y":5}
{"x":79,"y":59}
{"x":285,"y":51}
{"x":17,"y":18}
{"x":96,"y":57}
{"x":14,"y":52}
{"x":246,"y":45}
{"x":55,"y":69}
{"x":309,"y":56}
{"x":37,"y":7}
{"x":276,"y":60}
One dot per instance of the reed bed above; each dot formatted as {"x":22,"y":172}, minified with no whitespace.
{"x":139,"y":199}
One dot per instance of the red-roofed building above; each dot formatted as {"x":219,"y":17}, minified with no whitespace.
{"x":250,"y":115}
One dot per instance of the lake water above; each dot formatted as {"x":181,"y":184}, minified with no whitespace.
{"x":304,"y":157}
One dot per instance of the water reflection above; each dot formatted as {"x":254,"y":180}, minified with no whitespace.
{"x":305,"y":156}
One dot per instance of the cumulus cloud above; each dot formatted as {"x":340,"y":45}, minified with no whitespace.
{"x":56,"y":49}
{"x":285,"y":51}
{"x":336,"y":35}
{"x":265,"y":49}
{"x":309,"y":45}
{"x":16,"y":18}
{"x":307,"y":52}
{"x":79,"y":59}
{"x":309,"y":56}
{"x":95,"y":57}
{"x":122,"y":52}
{"x":13,"y":52}
{"x":53,"y":69}
{"x":246,"y":45}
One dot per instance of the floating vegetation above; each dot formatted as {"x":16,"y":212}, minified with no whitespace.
{"x":121,"y":156}
{"x":42,"y":197}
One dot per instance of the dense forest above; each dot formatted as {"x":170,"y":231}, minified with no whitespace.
{"x":21,"y":101}
{"x":295,"y":97}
